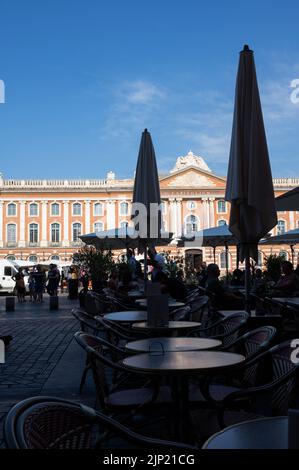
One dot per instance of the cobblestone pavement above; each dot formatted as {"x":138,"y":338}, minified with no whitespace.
{"x":40,"y":337}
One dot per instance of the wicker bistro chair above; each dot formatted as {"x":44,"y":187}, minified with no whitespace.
{"x":113,"y":398}
{"x":227,"y":329}
{"x":275,"y":390}
{"x":199,"y":306}
{"x":180,"y":314}
{"x":55,"y":423}
{"x":88,"y":323}
{"x":250,"y":346}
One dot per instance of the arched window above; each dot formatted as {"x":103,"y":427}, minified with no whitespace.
{"x":33,"y":209}
{"x":191,"y":224}
{"x":33,"y":233}
{"x":283,"y":254}
{"x":98,"y":209}
{"x":11,"y":257}
{"x":55,"y":233}
{"x":55,"y":258}
{"x":98,"y":227}
{"x":33,"y":258}
{"x":221,"y":223}
{"x":11,"y":209}
{"x":55,"y":209}
{"x":124,"y":208}
{"x":260,"y":259}
{"x":77,"y":208}
{"x":223,"y":260}
{"x":76,"y":231}
{"x":281,"y":227}
{"x":11,"y":233}
{"x":221,"y":206}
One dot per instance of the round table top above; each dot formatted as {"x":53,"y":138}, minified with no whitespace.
{"x":172,"y":344}
{"x":264,"y":433}
{"x":183,"y":362}
{"x":172,"y":325}
{"x":171,"y":303}
{"x":127,"y":316}
{"x":135,"y":293}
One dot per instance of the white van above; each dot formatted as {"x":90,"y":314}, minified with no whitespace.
{"x":7,"y":270}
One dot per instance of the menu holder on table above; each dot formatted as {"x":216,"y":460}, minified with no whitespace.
{"x":158,"y":310}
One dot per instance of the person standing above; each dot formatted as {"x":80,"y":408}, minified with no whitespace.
{"x":73,"y":283}
{"x":39,"y":282}
{"x":20,"y":285}
{"x":53,"y":280}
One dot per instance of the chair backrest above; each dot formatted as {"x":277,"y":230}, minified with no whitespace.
{"x":88,"y":324}
{"x":229,"y":328}
{"x":198,"y":306}
{"x":287,"y":372}
{"x":181,"y":314}
{"x":93,"y":304}
{"x":93,"y":347}
{"x":55,"y":423}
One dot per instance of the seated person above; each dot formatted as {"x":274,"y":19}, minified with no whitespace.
{"x":238,"y":278}
{"x":113,"y":281}
{"x":224,"y":300}
{"x":259,"y":282}
{"x":288,"y":284}
{"x":172,"y":286}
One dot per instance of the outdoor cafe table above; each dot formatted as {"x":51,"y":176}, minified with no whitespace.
{"x":263,"y":433}
{"x":127,"y":316}
{"x":173,"y":327}
{"x":180,"y":366}
{"x":171,"y":303}
{"x":136,"y":294}
{"x":171,"y":344}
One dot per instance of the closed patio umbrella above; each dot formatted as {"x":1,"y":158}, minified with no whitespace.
{"x":147,"y":193}
{"x":249,"y":186}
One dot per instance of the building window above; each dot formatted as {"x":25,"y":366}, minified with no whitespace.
{"x":124,"y":208}
{"x":33,"y":209}
{"x":55,"y":209}
{"x":33,"y":233}
{"x":223,"y":260}
{"x":76,"y":232}
{"x":55,"y":233}
{"x":191,"y":205}
{"x":191,"y":224}
{"x":281,"y":227}
{"x":221,"y":223}
{"x":11,"y":209}
{"x":260,"y":259}
{"x":11,"y":257}
{"x":98,"y":227}
{"x":283,"y":254}
{"x":77,"y":208}
{"x":11,"y":233}
{"x":98,"y":209}
{"x":221,"y":205}
{"x":55,"y":258}
{"x":33,"y":258}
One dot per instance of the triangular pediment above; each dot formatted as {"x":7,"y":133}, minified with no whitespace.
{"x":192,"y":177}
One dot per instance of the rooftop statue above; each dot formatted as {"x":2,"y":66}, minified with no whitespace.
{"x":190,"y":160}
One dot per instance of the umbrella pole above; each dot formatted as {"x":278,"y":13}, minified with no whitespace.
{"x":226,"y":258}
{"x":247,"y":284}
{"x":145,"y":268}
{"x":214,"y":250}
{"x":292,"y":253}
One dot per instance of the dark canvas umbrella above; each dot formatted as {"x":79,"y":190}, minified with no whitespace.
{"x":288,"y":201}
{"x":249,"y":181}
{"x":290,"y":238}
{"x":147,"y":193}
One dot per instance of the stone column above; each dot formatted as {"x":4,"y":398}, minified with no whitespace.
{"x":179,"y":231}
{"x":172,"y":216}
{"x":110,"y":214}
{"x":87,"y":216}
{"x":206,"y":217}
{"x":212,"y":212}
{"x":22,"y":239}
{"x":1,"y":223}
{"x":44,"y":240}
{"x":66,"y":241}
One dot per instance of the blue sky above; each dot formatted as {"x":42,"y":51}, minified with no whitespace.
{"x":83,"y":78}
